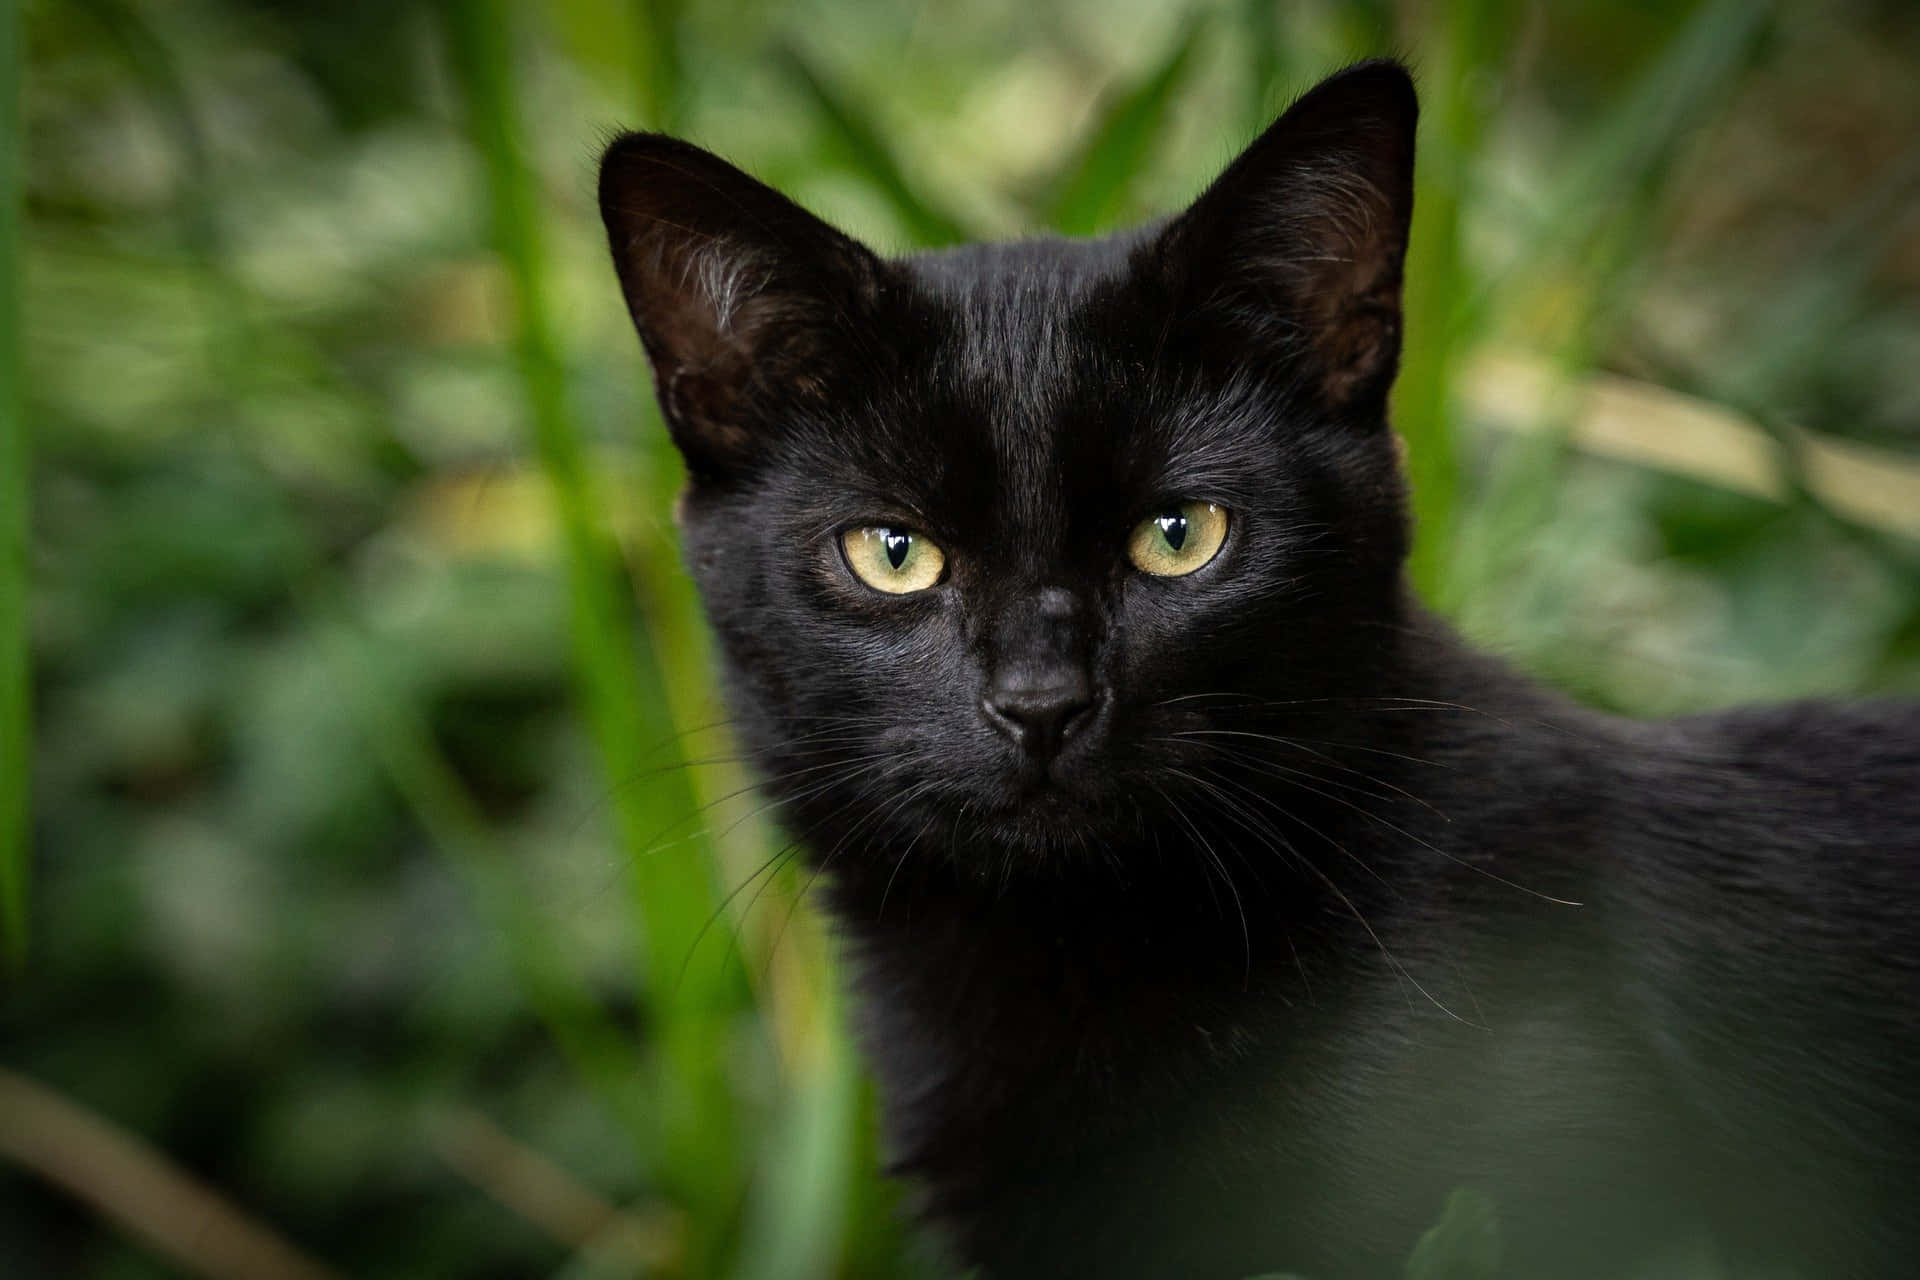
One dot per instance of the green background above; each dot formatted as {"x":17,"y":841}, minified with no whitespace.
{"x":374,"y":863}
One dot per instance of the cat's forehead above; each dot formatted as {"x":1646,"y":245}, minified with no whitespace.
{"x":1014,"y":368}
{"x":1016,"y":298}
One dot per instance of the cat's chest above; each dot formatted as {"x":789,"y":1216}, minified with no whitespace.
{"x":1007,"y":1044}
{"x":1039,"y":1095}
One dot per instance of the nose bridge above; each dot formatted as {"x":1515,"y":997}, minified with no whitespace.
{"x":1039,"y":631}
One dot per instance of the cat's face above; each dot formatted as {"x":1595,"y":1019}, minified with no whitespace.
{"x":994,"y":538}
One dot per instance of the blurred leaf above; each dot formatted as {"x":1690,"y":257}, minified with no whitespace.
{"x":615,"y":42}
{"x":662,"y":87}
{"x":1633,"y":145}
{"x":1598,"y":222}
{"x":400,"y":738}
{"x":1521,"y":496}
{"x":358,"y":55}
{"x":1803,"y":316}
{"x":233,"y":354}
{"x":860,"y":146}
{"x":1468,"y":44}
{"x":146,"y":56}
{"x":1091,"y":191}
{"x":879,"y":1234}
{"x":158,"y":75}
{"x":800,"y":1217}
{"x":15,"y":460}
{"x":1464,"y":1245}
{"x":1808,"y":310}
{"x":633,"y":45}
{"x":1259,"y":31}
{"x":1898,"y":664}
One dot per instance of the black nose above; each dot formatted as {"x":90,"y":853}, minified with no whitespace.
{"x":1040,"y":714}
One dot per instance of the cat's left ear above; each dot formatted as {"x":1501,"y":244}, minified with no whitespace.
{"x":1298,"y":246}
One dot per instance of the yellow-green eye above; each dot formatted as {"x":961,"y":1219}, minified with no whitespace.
{"x":892,"y":560}
{"x":1178,"y":540}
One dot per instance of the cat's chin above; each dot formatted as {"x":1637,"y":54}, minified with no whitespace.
{"x":1048,"y":821}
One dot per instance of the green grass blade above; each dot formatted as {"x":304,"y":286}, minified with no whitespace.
{"x":636,"y":44}
{"x":1258,"y":30}
{"x":633,"y":44}
{"x":1464,"y":1245}
{"x":797,"y":1224}
{"x":859,"y":146}
{"x":1450,"y":131}
{"x":15,"y":456}
{"x":672,"y":883}
{"x":662,"y":88}
{"x":1091,"y":192}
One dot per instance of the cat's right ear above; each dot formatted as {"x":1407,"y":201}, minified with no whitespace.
{"x":738,"y":293}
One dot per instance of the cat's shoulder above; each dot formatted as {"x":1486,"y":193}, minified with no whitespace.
{"x":1835,"y":746}
{"x":1814,"y":806}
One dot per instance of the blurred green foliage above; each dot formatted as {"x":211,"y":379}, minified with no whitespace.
{"x":15,"y":692}
{"x":392,"y":872}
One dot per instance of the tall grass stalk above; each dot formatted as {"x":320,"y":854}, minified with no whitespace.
{"x":855,"y":139}
{"x":672,"y":882}
{"x":1423,"y":398}
{"x":800,"y":1217}
{"x":1090,"y":193}
{"x":15,"y":457}
{"x":661,"y":87}
{"x":1258,"y":33}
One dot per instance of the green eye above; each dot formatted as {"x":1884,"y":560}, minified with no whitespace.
{"x":1178,"y":540}
{"x":895,"y":561}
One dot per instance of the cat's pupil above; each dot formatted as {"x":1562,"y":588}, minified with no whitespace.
{"x":1173,"y":527}
{"x":897,"y":545}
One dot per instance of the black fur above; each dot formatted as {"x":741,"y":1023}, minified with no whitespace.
{"x":1316,"y":916}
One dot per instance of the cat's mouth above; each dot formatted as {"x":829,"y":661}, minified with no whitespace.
{"x":1048,"y":807}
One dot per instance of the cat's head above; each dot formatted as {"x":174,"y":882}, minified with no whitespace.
{"x":994,"y":537}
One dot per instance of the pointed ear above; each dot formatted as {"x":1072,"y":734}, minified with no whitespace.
{"x":1298,"y":246}
{"x":738,"y":293}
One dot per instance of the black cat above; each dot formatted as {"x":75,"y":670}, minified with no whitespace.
{"x":1214,"y":909}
